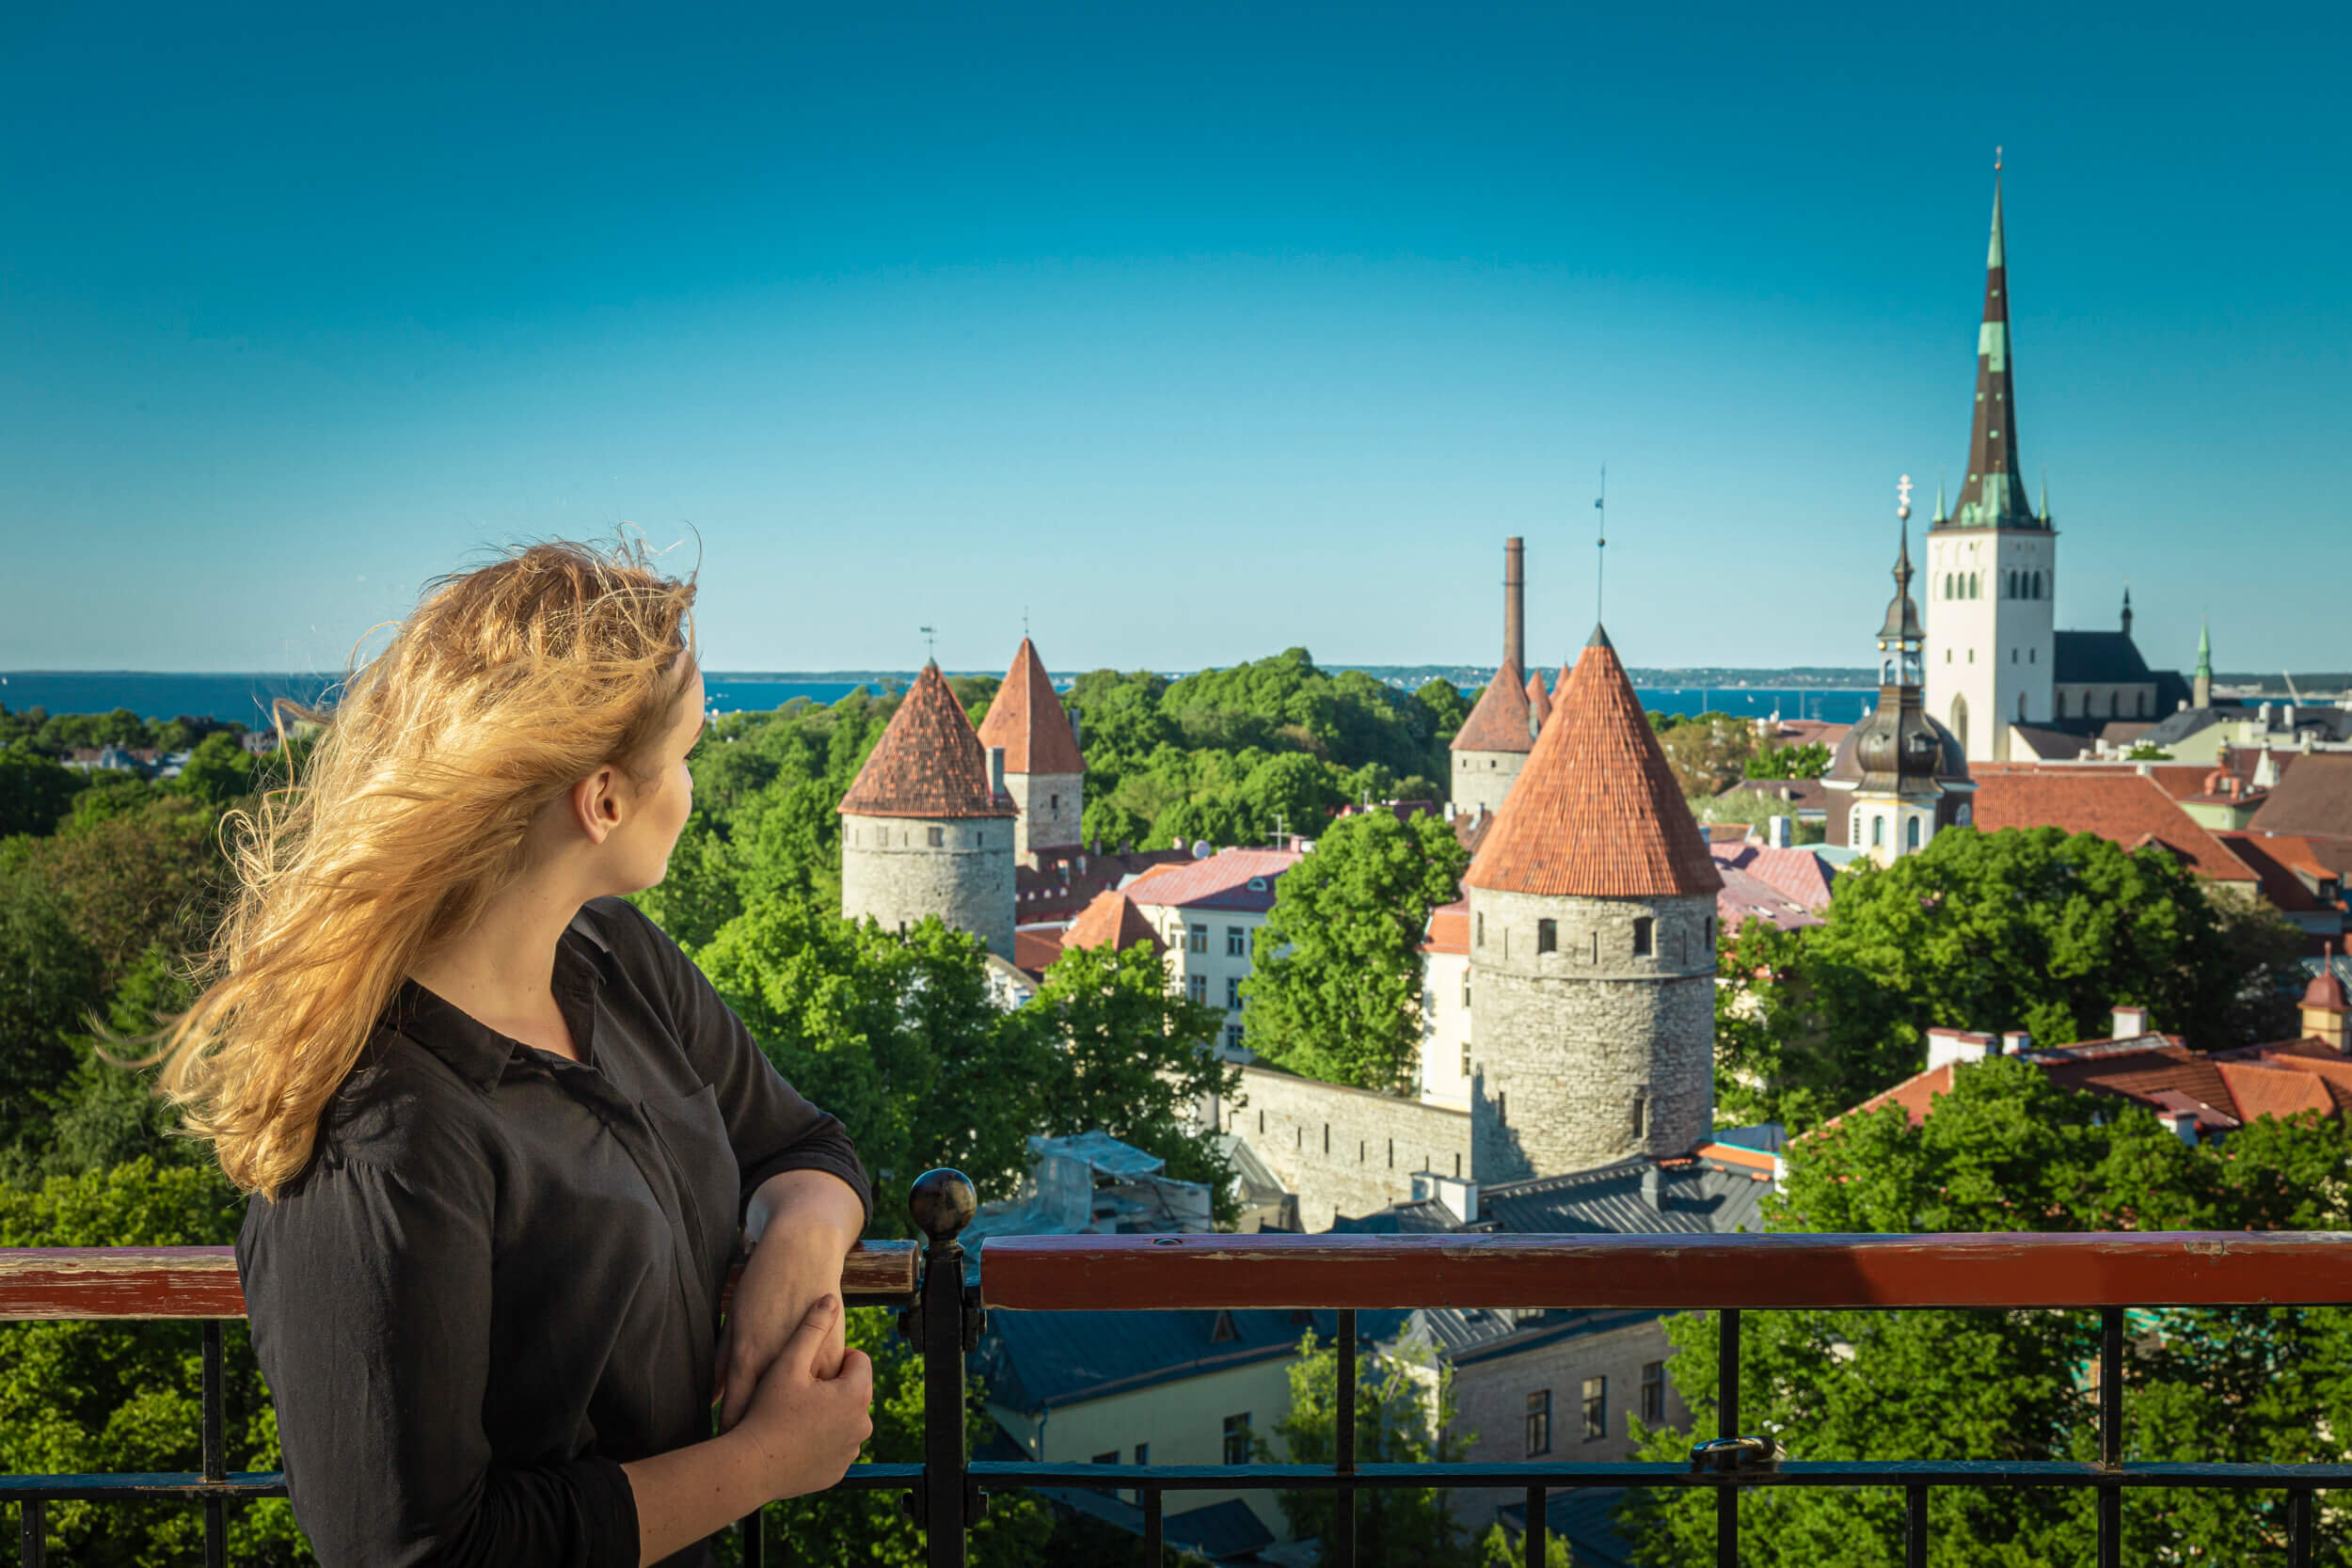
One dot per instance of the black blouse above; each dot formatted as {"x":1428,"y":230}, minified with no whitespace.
{"x":499,"y":1275}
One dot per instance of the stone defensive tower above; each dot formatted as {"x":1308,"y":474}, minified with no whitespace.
{"x":1493,"y":742}
{"x":1592,"y":906}
{"x":1043,"y":772}
{"x":926,"y":828}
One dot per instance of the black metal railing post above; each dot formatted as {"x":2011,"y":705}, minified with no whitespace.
{"x":1344,"y":1430}
{"x":1532,"y":1539}
{"x":215,"y":1448}
{"x":34,"y":1528}
{"x":943,"y":1324}
{"x":1726,"y":1427}
{"x":2110,"y":1498}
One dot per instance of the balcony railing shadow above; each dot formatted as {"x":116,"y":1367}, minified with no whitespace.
{"x":944,"y":1301}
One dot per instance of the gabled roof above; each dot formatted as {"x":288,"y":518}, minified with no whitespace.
{"x":1111,"y":920}
{"x":928,"y":761}
{"x":1027,"y":720}
{"x":1500,"y":721}
{"x":1449,"y":929}
{"x":1596,"y":812}
{"x":2315,"y":796}
{"x":2287,"y":868}
{"x":1222,"y":881}
{"x":2122,"y":807}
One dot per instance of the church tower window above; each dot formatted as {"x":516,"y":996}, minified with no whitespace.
{"x":1547,"y":936}
{"x":1642,"y":927}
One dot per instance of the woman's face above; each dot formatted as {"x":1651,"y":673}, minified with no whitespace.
{"x":672,"y":799}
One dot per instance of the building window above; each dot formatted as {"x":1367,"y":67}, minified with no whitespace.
{"x":1547,"y":936}
{"x":1237,"y":1438}
{"x":1709,"y":936}
{"x":1911,"y":834}
{"x":938,"y":836}
{"x":1481,"y":932}
{"x":1197,"y":938}
{"x":1236,"y":941}
{"x":1538,"y":1422}
{"x":1878,"y":832}
{"x":1642,"y":924}
{"x":1853,"y":828}
{"x":1053,"y":803}
{"x":1596,"y":947}
{"x":1466,"y":988}
{"x":2030,"y":652}
{"x":1232,"y":991}
{"x":1326,"y":1137}
{"x":1653,"y":1393}
{"x":1640,"y":1113}
{"x":1260,"y":1115}
{"x":1465,"y":1073}
{"x":1232,"y":1041}
{"x":1143,"y":1453}
{"x":2013,"y":655}
{"x":1196,"y":987}
{"x":1596,"y":1408}
{"x":1503,"y":1113}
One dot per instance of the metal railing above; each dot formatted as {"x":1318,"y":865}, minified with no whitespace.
{"x":944,"y":1309}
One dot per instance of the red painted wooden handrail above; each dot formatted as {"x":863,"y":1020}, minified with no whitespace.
{"x":201,"y":1281}
{"x":2003,"y":1269}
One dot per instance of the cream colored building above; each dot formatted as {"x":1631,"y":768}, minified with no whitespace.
{"x":1208,"y":912}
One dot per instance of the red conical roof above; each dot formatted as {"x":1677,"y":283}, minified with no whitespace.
{"x":928,"y":761}
{"x":1500,"y":721}
{"x":1538,"y":699}
{"x":1596,"y":812}
{"x":1027,"y":720}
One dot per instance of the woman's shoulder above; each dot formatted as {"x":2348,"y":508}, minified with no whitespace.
{"x":400,"y":1108}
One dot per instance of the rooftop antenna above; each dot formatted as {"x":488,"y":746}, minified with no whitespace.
{"x":931,"y":644}
{"x":1600,"y":543}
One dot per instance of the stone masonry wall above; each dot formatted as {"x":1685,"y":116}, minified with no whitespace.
{"x":892,"y":871}
{"x":1564,"y":1044}
{"x":1343,"y":1151}
{"x":1490,"y":1402}
{"x":1050,"y":806}
{"x":1483,"y":778}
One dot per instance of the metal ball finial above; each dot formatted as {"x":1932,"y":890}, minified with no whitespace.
{"x":943,"y":1203}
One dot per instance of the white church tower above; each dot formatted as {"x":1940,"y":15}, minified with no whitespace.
{"x":1991,"y":567}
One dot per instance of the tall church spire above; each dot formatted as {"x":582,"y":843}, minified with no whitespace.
{"x":1994,"y":494}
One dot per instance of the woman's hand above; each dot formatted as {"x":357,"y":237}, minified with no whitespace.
{"x":802,"y":1429}
{"x":803,"y":1226}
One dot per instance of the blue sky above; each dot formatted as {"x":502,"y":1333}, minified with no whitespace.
{"x":1192,"y":331}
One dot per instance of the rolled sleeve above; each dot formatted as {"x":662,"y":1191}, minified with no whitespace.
{"x":772,"y":1127}
{"x":369,"y":1294}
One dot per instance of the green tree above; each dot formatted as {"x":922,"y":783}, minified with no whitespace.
{"x":1809,"y":761}
{"x":1404,"y":1415}
{"x":218,"y":771}
{"x":1123,"y":1054}
{"x":1448,"y":708}
{"x":2024,"y":929}
{"x":49,"y":975}
{"x":2006,"y":1150}
{"x":1335,"y":988}
{"x":35,"y":791}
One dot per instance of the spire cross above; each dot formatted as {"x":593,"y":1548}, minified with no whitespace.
{"x":1997,"y":160}
{"x":1902,"y":497}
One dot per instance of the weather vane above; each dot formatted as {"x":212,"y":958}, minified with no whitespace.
{"x":1903,"y":497}
{"x":1600,"y":543}
{"x":931,"y":644}
{"x":1997,"y":160}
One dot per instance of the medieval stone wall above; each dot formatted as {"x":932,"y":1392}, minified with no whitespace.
{"x":893,"y":871}
{"x":1483,"y":778}
{"x":1050,"y":804}
{"x":1343,"y":1151}
{"x":1589,"y":1052}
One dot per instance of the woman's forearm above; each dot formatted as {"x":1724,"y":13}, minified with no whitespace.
{"x":694,"y":1492}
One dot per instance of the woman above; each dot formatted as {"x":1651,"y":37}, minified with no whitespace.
{"x":501,"y":1133}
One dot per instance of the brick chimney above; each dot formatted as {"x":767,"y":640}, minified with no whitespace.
{"x":1515,"y":602}
{"x":2129,"y":1021}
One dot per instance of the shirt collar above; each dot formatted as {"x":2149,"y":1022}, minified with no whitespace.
{"x":584,"y":961}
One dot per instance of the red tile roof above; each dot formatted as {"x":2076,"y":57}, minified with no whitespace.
{"x":1219,"y":882}
{"x":1596,"y":812}
{"x":1914,"y":1094}
{"x":1500,"y":721}
{"x":2261,"y":1089}
{"x":2276,"y":859}
{"x":1027,"y":720}
{"x":1034,"y":949}
{"x":1112,"y":919}
{"x":1449,"y":929}
{"x":1539,"y":699}
{"x":928,"y":761}
{"x":2122,"y":808}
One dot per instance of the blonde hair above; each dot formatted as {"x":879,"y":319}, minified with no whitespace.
{"x":507,"y":685}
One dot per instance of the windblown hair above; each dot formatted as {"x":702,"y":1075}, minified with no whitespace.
{"x":506,"y":686}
